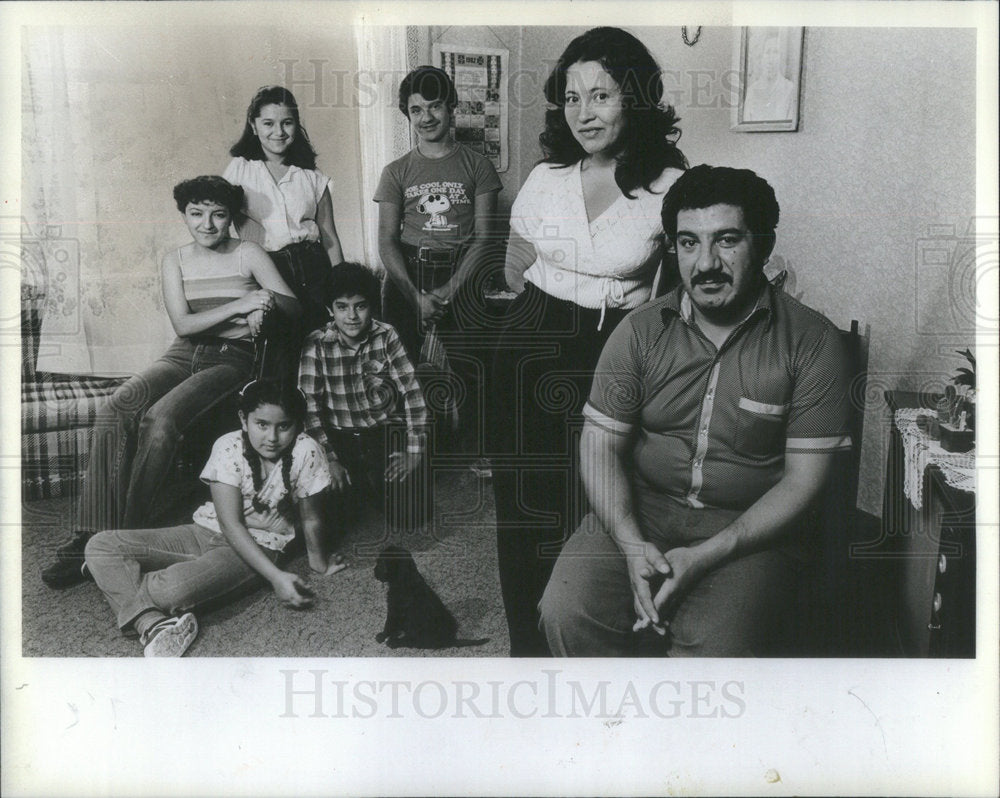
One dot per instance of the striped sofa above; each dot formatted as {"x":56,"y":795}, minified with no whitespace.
{"x":57,"y":412}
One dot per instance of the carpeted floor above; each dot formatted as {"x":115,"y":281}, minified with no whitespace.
{"x":456,"y":554}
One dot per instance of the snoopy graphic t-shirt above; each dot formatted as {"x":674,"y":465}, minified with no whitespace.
{"x":437,"y":195}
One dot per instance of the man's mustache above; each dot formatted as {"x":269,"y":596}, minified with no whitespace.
{"x":711,"y":277}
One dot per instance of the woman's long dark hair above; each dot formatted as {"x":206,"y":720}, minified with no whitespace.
{"x":651,"y":132}
{"x":289,"y":398}
{"x":299,"y":153}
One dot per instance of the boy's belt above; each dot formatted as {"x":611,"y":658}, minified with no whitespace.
{"x":437,"y":257}
{"x":431,"y":256}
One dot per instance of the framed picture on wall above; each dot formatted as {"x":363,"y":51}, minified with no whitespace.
{"x":480,"y":76}
{"x":769,"y":64}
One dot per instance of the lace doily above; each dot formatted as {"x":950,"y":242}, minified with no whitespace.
{"x":959,"y":470}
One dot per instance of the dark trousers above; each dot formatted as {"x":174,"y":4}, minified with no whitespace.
{"x":402,"y":315}
{"x":467,"y":330}
{"x":734,"y":610}
{"x":540,"y":381}
{"x":305,"y":266}
{"x":406,"y":504}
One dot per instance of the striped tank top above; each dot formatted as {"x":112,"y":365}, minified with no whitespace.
{"x":217,"y":282}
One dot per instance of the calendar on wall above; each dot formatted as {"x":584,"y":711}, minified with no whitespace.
{"x":480,"y":119}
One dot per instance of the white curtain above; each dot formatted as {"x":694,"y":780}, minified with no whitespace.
{"x":53,"y":204}
{"x":385,"y":54}
{"x":89,"y":227}
{"x":107,"y":131}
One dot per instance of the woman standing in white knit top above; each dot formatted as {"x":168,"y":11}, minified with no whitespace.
{"x":585,"y":244}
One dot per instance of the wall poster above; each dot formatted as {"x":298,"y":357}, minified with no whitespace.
{"x":480,"y":120}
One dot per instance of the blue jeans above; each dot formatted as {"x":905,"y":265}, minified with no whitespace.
{"x":137,"y":429}
{"x":169,"y":570}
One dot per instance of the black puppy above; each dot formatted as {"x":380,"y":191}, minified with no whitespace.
{"x":416,"y":617}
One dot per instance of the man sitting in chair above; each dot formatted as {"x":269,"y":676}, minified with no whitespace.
{"x":710,"y":429}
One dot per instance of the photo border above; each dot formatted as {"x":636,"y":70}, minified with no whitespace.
{"x":215,"y":726}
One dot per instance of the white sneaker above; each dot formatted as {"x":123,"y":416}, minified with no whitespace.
{"x":170,"y":637}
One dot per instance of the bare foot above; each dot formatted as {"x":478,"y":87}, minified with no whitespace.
{"x":333,"y":565}
{"x":336,"y":564}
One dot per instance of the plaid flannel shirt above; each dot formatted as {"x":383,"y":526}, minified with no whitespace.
{"x":364,"y":388}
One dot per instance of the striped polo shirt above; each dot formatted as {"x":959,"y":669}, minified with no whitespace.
{"x":210,"y":284}
{"x":712,"y":426}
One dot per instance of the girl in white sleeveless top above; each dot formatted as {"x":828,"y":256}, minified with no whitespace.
{"x":288,"y":208}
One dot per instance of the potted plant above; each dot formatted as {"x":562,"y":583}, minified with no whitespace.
{"x":965,"y":378}
{"x":956,"y":409}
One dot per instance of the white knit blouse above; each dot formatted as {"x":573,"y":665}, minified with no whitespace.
{"x":607,"y":263}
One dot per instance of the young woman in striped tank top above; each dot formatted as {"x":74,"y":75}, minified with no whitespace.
{"x":217,"y":291}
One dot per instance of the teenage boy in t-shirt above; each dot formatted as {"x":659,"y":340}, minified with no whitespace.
{"x":436,"y":209}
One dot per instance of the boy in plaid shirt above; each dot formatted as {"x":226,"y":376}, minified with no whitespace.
{"x":364,"y":405}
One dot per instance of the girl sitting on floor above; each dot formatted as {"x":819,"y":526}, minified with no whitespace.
{"x":259,"y":476}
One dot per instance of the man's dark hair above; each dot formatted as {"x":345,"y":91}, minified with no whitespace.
{"x":351,"y":279}
{"x":430,"y":83}
{"x":704,"y":186}
{"x":209,"y":188}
